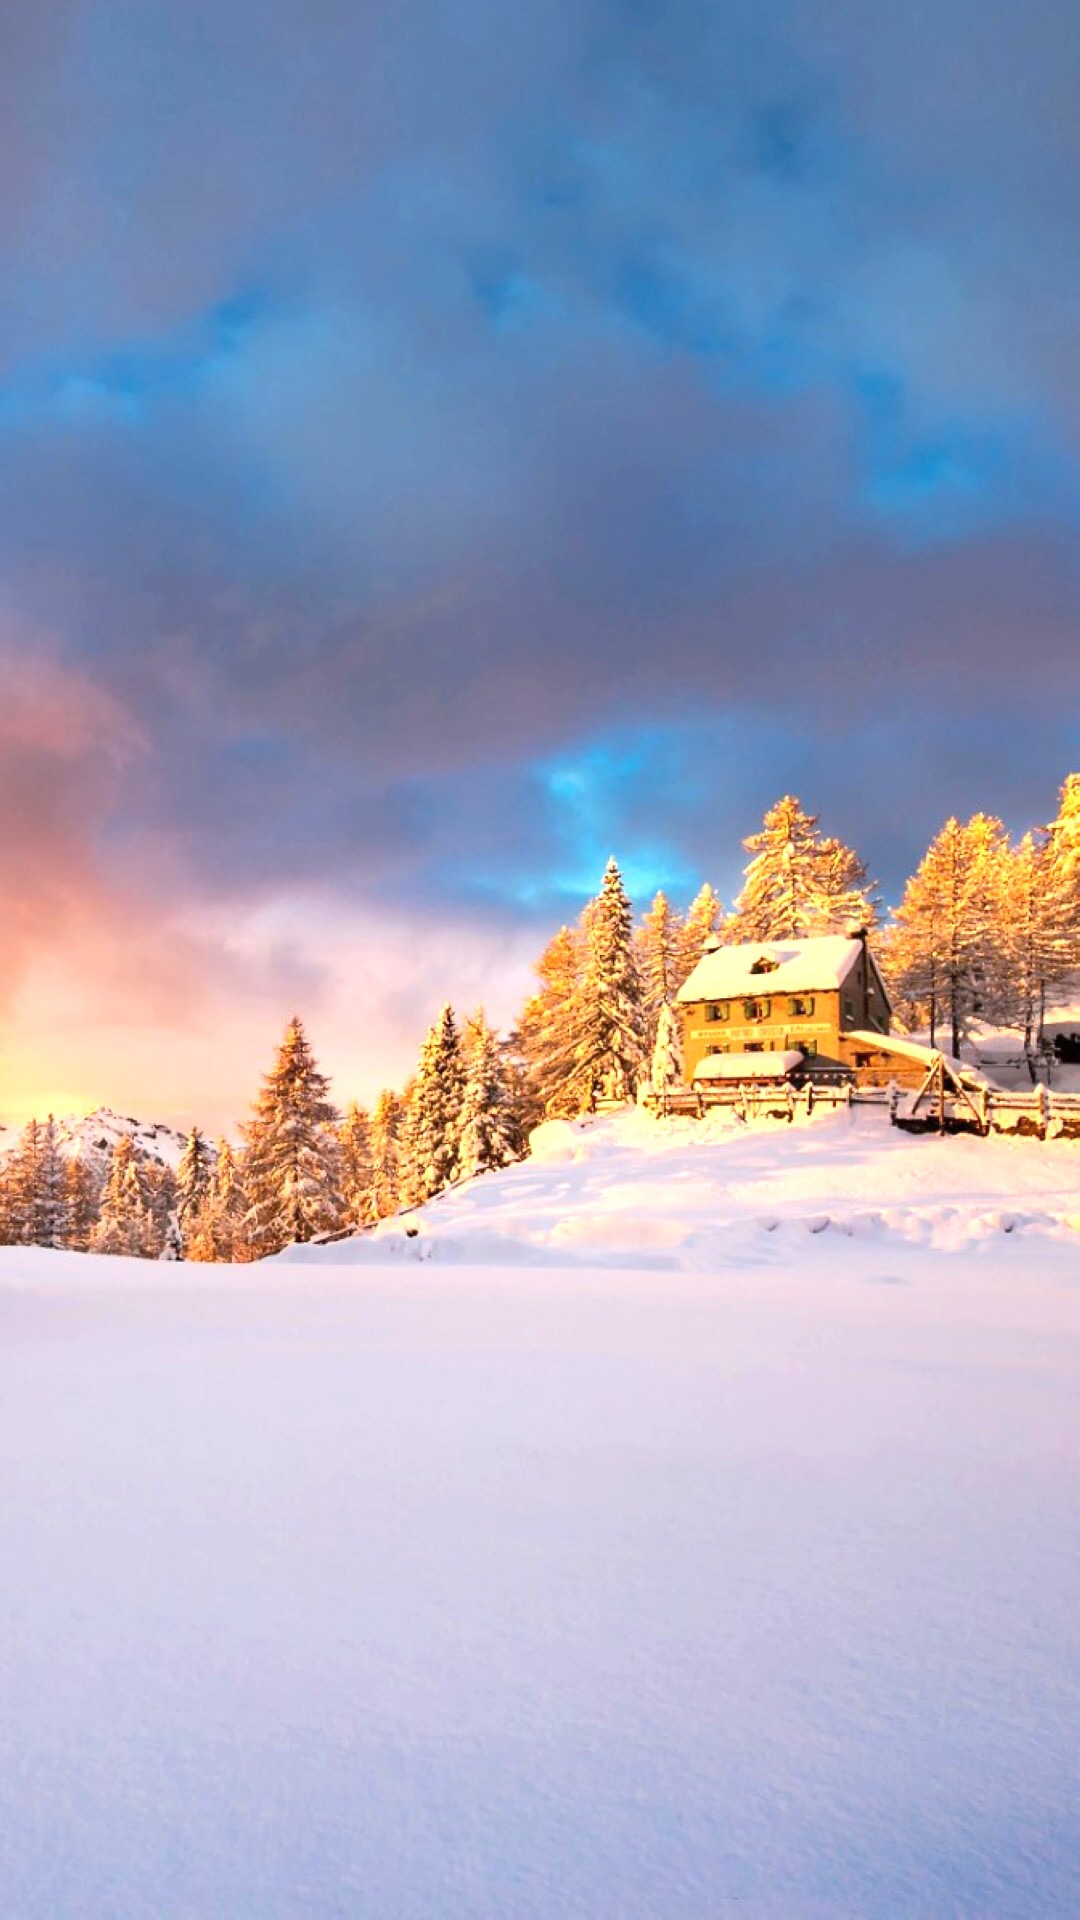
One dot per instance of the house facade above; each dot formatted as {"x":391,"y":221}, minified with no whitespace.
{"x":822,"y":999}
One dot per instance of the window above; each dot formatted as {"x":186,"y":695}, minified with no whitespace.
{"x":801,"y":1005}
{"x":809,"y":1047}
{"x":719,"y":1010}
{"x":764,"y":965}
{"x":753,"y":1046}
{"x":757,"y":1009}
{"x":724,"y":1049}
{"x":849,"y":1009}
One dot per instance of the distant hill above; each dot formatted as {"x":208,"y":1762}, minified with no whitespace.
{"x":93,"y":1137}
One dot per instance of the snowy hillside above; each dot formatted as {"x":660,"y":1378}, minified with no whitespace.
{"x":93,"y":1136}
{"x":699,"y":1539}
{"x":631,"y":1189}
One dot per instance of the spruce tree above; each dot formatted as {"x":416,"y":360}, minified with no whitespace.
{"x":355,"y":1137}
{"x":53,"y":1209}
{"x":611,"y":1048}
{"x":292,"y":1160}
{"x":37,"y":1188}
{"x":667,"y":1058}
{"x":215,"y":1231}
{"x":433,"y":1130}
{"x":487,"y":1123}
{"x":658,"y":949}
{"x":83,"y":1194}
{"x":193,"y":1177}
{"x":125,"y":1222}
{"x":160,"y":1183}
{"x":384,"y":1192}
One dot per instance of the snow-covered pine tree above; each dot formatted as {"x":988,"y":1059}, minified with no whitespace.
{"x":216,"y":1229}
{"x":83,"y":1192}
{"x":781,"y":897}
{"x":658,"y":950}
{"x":292,"y":1160}
{"x":611,"y":1048}
{"x":193,"y":1177}
{"x":667,"y":1057}
{"x":703,"y":924}
{"x":384,"y":1191}
{"x":433,"y":1129}
{"x":22,"y":1185}
{"x":551,"y":1027}
{"x":355,"y":1137}
{"x":9,"y":1232}
{"x":487,"y":1121}
{"x":125,"y":1222}
{"x":53,"y":1208}
{"x":160,"y":1183}
{"x":37,"y":1188}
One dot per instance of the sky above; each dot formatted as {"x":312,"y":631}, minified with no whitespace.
{"x":443,"y":443}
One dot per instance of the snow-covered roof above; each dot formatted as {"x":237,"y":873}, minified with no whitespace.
{"x":913,"y":1050}
{"x":748,"y":1066}
{"x":792,"y":966}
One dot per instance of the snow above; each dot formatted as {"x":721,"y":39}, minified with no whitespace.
{"x":711,"y":1549}
{"x":797,"y":966}
{"x":749,"y":1066}
{"x":609,"y":1190}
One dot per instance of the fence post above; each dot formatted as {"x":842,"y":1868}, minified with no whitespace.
{"x":1042,"y":1098}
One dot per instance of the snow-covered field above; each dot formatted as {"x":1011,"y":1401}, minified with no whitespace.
{"x":688,"y":1558}
{"x":699,"y":1194}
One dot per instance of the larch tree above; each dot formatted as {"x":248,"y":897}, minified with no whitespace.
{"x":292,"y":1159}
{"x":946,"y":954}
{"x":847,"y":897}
{"x":1063,"y":863}
{"x":702,"y":926}
{"x":611,"y":1047}
{"x":1034,"y":935}
{"x":551,"y":1027}
{"x":433,"y":1130}
{"x":487,"y":1120}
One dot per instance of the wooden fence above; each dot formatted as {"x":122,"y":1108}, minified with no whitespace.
{"x":1039,"y":1113}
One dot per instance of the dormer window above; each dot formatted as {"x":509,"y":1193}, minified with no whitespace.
{"x":764,"y":964}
